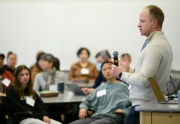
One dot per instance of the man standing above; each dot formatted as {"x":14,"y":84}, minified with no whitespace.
{"x":154,"y":60}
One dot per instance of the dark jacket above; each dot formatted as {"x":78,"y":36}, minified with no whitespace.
{"x":9,"y":69}
{"x":99,"y":80}
{"x":17,"y":104}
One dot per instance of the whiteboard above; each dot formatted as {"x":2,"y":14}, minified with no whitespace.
{"x":62,"y":27}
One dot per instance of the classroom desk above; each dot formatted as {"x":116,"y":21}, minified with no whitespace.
{"x":67,"y":97}
{"x":88,"y":85}
{"x":154,"y":113}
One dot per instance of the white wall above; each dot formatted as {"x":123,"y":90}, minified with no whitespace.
{"x":62,"y":27}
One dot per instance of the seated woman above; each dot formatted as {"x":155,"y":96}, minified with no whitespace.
{"x":22,"y":98}
{"x":11,"y":62}
{"x":83,"y":70}
{"x":36,"y":68}
{"x":100,"y":58}
{"x":49,"y":76}
{"x":105,"y":100}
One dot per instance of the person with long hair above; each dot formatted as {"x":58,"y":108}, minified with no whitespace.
{"x":105,"y":100}
{"x":22,"y":98}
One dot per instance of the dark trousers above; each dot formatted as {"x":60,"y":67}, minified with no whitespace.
{"x":133,"y":117}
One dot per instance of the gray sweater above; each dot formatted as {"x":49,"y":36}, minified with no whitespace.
{"x":40,"y":83}
{"x":117,"y":97}
{"x":153,"y":61}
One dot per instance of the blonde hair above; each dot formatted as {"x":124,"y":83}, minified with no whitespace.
{"x":156,"y":13}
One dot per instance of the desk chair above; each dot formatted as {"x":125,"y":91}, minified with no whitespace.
{"x":91,"y":111}
{"x":5,"y":105}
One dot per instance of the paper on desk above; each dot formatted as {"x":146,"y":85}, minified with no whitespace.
{"x":53,"y":87}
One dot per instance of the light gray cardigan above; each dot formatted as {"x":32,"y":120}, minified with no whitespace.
{"x":40,"y":83}
{"x":153,"y":61}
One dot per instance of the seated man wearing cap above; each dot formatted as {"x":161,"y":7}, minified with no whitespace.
{"x":49,"y":76}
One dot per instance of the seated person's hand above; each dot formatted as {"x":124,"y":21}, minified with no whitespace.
{"x":120,"y":111}
{"x":2,"y":94}
{"x":84,"y":89}
{"x":90,"y":90}
{"x":46,"y":119}
{"x":82,"y":113}
{"x":87,"y":90}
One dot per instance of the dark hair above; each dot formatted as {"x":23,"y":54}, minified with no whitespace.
{"x":106,"y":61}
{"x":56,"y":63}
{"x":80,"y":51}
{"x":17,"y":84}
{"x":47,"y":57}
{"x":156,"y":13}
{"x":10,"y":53}
{"x":38,"y":58}
{"x":123,"y":55}
{"x":97,"y":55}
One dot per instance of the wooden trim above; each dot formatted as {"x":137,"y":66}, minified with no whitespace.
{"x":145,"y":118}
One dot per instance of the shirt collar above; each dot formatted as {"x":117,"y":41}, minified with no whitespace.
{"x":154,"y":34}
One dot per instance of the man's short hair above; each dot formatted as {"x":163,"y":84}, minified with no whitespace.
{"x":156,"y":13}
{"x":105,"y":54}
{"x":123,"y":55}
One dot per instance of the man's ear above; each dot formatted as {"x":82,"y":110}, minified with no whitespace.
{"x":155,"y":23}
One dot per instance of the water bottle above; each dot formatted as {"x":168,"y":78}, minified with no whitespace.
{"x":179,"y":98}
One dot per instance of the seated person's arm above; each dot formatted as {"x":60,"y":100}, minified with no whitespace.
{"x":71,"y":74}
{"x":2,"y":94}
{"x":81,"y":79}
{"x":124,"y":111}
{"x":90,"y":101}
{"x":14,"y":101}
{"x":88,"y":90}
{"x":36,"y":85}
{"x":39,"y":107}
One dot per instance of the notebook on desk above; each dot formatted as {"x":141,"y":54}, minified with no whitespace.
{"x":158,"y":93}
{"x":75,"y":89}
